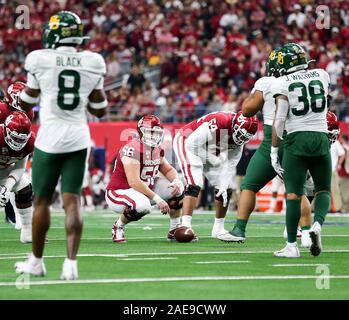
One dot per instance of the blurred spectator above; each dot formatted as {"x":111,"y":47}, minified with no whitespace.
{"x":136,"y":79}
{"x":344,"y":175}
{"x":338,"y":157}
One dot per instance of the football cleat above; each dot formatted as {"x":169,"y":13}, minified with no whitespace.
{"x":26,"y":235}
{"x":305,"y":239}
{"x":290,"y":251}
{"x":70,"y":270}
{"x":236,"y":235}
{"x":118,"y":233}
{"x":170,"y":235}
{"x":315,"y":236}
{"x":216,"y":232}
{"x":36,"y":269}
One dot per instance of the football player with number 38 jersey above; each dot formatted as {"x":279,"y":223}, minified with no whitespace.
{"x":64,"y":81}
{"x":211,"y":146}
{"x":301,"y":109}
{"x":132,"y":191}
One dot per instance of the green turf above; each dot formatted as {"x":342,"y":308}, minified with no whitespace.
{"x":265,"y":236}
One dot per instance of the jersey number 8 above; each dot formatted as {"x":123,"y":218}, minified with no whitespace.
{"x":71,"y":92}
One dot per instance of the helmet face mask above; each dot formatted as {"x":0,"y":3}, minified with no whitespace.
{"x":17,"y":130}
{"x":13,"y":93}
{"x":244,"y":129}
{"x":150,"y":131}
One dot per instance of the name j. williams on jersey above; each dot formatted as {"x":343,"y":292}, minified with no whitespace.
{"x":302,"y":76}
{"x":62,"y":61}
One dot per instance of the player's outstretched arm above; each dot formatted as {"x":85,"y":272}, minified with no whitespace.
{"x":97,"y":103}
{"x":252,"y":104}
{"x":132,"y":169}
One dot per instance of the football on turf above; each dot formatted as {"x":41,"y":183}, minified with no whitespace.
{"x":184,"y":234}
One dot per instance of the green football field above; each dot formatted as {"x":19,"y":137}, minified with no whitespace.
{"x":149,"y":267}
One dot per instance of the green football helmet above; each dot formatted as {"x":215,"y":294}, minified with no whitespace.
{"x":65,"y":27}
{"x":292,"y":58}
{"x":272,"y":66}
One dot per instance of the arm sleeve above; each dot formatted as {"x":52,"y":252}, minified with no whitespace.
{"x":282,"y":108}
{"x":16,"y":173}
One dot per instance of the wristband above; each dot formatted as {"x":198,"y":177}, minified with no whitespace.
{"x":274,"y":149}
{"x":28,"y":99}
{"x":157,"y":199}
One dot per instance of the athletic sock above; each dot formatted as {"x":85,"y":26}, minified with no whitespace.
{"x":293,"y":214}
{"x":322,"y":204}
{"x":186,"y":221}
{"x":241,"y":224}
{"x":120,"y":223}
{"x":218,"y":224}
{"x":34,"y":260}
{"x":174,"y":223}
{"x":26,"y":216}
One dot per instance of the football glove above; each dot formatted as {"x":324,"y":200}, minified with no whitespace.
{"x":275,"y":162}
{"x":4,"y":196}
{"x":223,"y":192}
{"x":178,"y":187}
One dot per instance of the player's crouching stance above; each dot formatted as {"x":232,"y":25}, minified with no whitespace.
{"x":130,"y":190}
{"x":16,"y":143}
{"x":212,"y":146}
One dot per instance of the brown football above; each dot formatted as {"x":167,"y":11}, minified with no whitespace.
{"x":184,"y":234}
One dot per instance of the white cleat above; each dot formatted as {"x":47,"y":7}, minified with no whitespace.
{"x":26,"y":235}
{"x":305,"y":239}
{"x":118,"y":234}
{"x":36,"y":269}
{"x":290,"y":251}
{"x":70,"y":270}
{"x":299,"y":233}
{"x":315,"y":236}
{"x":215,"y":232}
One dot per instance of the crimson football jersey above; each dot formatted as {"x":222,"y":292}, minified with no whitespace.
{"x":149,"y":158}
{"x":9,"y":156}
{"x":219,"y":125}
{"x":6,"y":110}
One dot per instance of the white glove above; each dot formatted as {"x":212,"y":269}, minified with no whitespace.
{"x":217,"y":161}
{"x":223,"y":192}
{"x":178,"y":187}
{"x":4,"y":196}
{"x":275,"y":162}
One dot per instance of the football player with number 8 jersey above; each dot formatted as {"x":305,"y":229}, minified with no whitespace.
{"x":64,"y":82}
{"x":301,"y":109}
{"x":132,"y":191}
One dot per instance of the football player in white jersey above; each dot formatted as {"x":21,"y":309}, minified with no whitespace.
{"x":64,"y":82}
{"x":301,"y":109}
{"x":260,"y":171}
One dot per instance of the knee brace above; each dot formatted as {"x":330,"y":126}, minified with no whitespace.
{"x":133,"y":215}
{"x":25,"y":195}
{"x":192,"y":191}
{"x":220,"y":198}
{"x":176,"y":203}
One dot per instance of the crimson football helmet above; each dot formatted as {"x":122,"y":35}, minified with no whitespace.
{"x":13,"y":93}
{"x":150,"y":130}
{"x":244,"y":128}
{"x":17,"y":130}
{"x":333,"y":126}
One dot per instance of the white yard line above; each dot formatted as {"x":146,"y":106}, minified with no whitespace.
{"x":300,"y":265}
{"x":222,"y":262}
{"x":146,"y":259}
{"x":135,"y":254}
{"x":173,"y":279}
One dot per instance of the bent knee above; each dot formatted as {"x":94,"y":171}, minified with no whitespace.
{"x":293,"y":196}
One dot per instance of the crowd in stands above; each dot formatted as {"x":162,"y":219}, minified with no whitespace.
{"x":181,"y":59}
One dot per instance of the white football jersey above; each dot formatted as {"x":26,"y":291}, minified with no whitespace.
{"x":307,"y":92}
{"x":66,"y":77}
{"x":264,"y":85}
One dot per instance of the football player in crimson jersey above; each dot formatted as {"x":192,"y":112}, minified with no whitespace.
{"x":131,"y":190}
{"x":11,"y":102}
{"x":16,"y":144}
{"x":212,"y":146}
